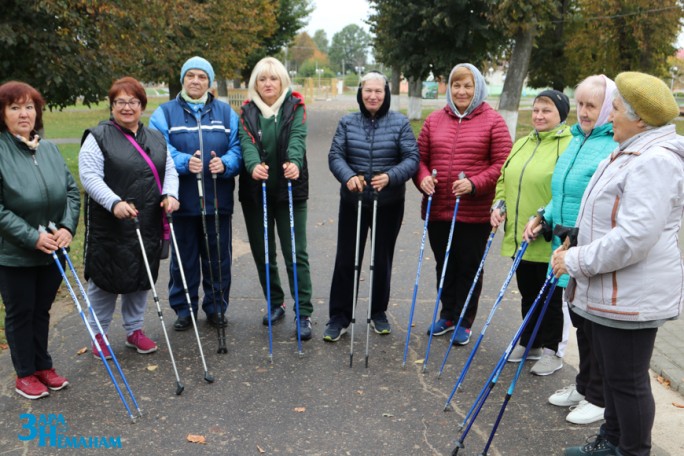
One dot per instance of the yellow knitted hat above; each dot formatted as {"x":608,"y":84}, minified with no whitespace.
{"x":650,"y":97}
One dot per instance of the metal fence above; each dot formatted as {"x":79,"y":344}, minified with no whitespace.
{"x":312,"y":89}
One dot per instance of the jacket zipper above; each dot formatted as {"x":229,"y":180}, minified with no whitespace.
{"x":42,"y":179}
{"x":565,"y":179}
{"x":517,"y":201}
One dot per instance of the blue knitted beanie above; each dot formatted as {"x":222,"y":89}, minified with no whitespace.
{"x":198,"y":63}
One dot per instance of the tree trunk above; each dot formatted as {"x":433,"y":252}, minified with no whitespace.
{"x":515,"y":78}
{"x":395,"y":84}
{"x":415,"y":99}
{"x":222,"y":87}
{"x":174,"y":88}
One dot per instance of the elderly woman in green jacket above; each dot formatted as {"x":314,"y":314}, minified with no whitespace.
{"x":524,"y":186}
{"x":36,"y":188}
{"x":273,"y":139}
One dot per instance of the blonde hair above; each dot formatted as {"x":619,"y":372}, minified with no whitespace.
{"x":271,"y":67}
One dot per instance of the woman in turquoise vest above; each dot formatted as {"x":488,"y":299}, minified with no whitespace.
{"x":592,"y":141}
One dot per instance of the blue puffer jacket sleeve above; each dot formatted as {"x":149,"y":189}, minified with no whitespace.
{"x":370,"y":146}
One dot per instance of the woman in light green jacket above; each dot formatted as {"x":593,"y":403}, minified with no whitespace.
{"x":524,"y":186}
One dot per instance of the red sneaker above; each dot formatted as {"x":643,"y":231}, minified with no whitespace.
{"x":103,"y":347}
{"x":141,"y":342}
{"x":51,"y":379}
{"x":31,"y":388}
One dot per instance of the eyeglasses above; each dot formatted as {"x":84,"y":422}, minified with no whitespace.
{"x":120,"y":104}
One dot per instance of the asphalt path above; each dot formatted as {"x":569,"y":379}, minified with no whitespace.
{"x":310,"y":405}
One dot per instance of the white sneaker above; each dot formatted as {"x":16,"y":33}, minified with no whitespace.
{"x":547,"y":364}
{"x":585,"y":413}
{"x":566,"y":397}
{"x":518,"y":352}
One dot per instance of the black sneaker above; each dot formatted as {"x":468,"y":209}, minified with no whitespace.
{"x":334,"y":329}
{"x":599,"y":447}
{"x":277,"y":314}
{"x":380,"y":324}
{"x":182,"y":323}
{"x":304,"y":327}
{"x":213,"y":320}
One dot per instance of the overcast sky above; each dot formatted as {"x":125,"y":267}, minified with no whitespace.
{"x":333,"y":15}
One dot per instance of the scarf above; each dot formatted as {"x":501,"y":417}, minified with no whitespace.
{"x":190,"y":100}
{"x":31,"y":144}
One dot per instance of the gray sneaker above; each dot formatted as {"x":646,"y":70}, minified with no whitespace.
{"x":334,"y":329}
{"x":518,"y":352}
{"x":547,"y":364}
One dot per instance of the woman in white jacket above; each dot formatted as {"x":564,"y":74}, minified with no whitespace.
{"x":627,"y":272}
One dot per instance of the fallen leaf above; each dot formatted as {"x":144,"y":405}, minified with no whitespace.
{"x":662,"y":380}
{"x":413,"y":325}
{"x":80,"y":352}
{"x":359,"y":392}
{"x":678,"y":405}
{"x":196,"y":439}
{"x":388,"y":415}
{"x":300,"y":409}
{"x":418,"y":361}
{"x":152,"y":367}
{"x":261,"y":450}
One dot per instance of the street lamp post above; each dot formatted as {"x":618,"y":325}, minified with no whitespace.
{"x":673,"y":72}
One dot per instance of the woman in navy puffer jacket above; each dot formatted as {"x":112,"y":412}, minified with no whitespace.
{"x":466,"y":136}
{"x":379,"y":146}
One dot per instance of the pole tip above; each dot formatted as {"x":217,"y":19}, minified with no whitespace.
{"x":208,"y":377}
{"x":179,"y":388}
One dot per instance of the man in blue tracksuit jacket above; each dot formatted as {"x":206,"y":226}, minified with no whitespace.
{"x":202,"y":136}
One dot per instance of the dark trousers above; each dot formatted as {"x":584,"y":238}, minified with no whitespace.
{"x":624,"y":356}
{"x":531,"y":276}
{"x":28,"y":294}
{"x":589,"y":380}
{"x":467,"y":247}
{"x":389,"y":218}
{"x":193,"y":252}
{"x":279,"y":220}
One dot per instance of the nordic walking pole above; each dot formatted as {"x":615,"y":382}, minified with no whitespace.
{"x":494,"y":376}
{"x":470,"y":294}
{"x":372,"y":271}
{"x":357,"y":268}
{"x":267,"y":265}
{"x":136,"y":220}
{"x":203,"y":216}
{"x":221,"y":312}
{"x":569,"y":240}
{"x":93,"y":338}
{"x":511,"y":388}
{"x":461,"y":175}
{"x":53,"y":228}
{"x":208,"y":377}
{"x":294,"y":266}
{"x":516,"y":262}
{"x":420,"y":263}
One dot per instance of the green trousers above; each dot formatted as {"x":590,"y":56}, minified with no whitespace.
{"x":279,"y":218}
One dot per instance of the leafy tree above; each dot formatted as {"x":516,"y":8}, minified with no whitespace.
{"x":301,"y":49}
{"x":291,"y":16}
{"x":55,"y":47}
{"x":426,"y":36}
{"x":321,"y":40}
{"x":636,"y":35}
{"x":520,"y":22}
{"x":349,"y":48}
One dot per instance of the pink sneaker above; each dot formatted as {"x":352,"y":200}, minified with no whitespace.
{"x":103,"y":347}
{"x":141,"y":342}
{"x":51,"y":379}
{"x":30,"y":387}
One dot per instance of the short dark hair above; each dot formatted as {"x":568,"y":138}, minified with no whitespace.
{"x":129,"y":85}
{"x":17,"y":91}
